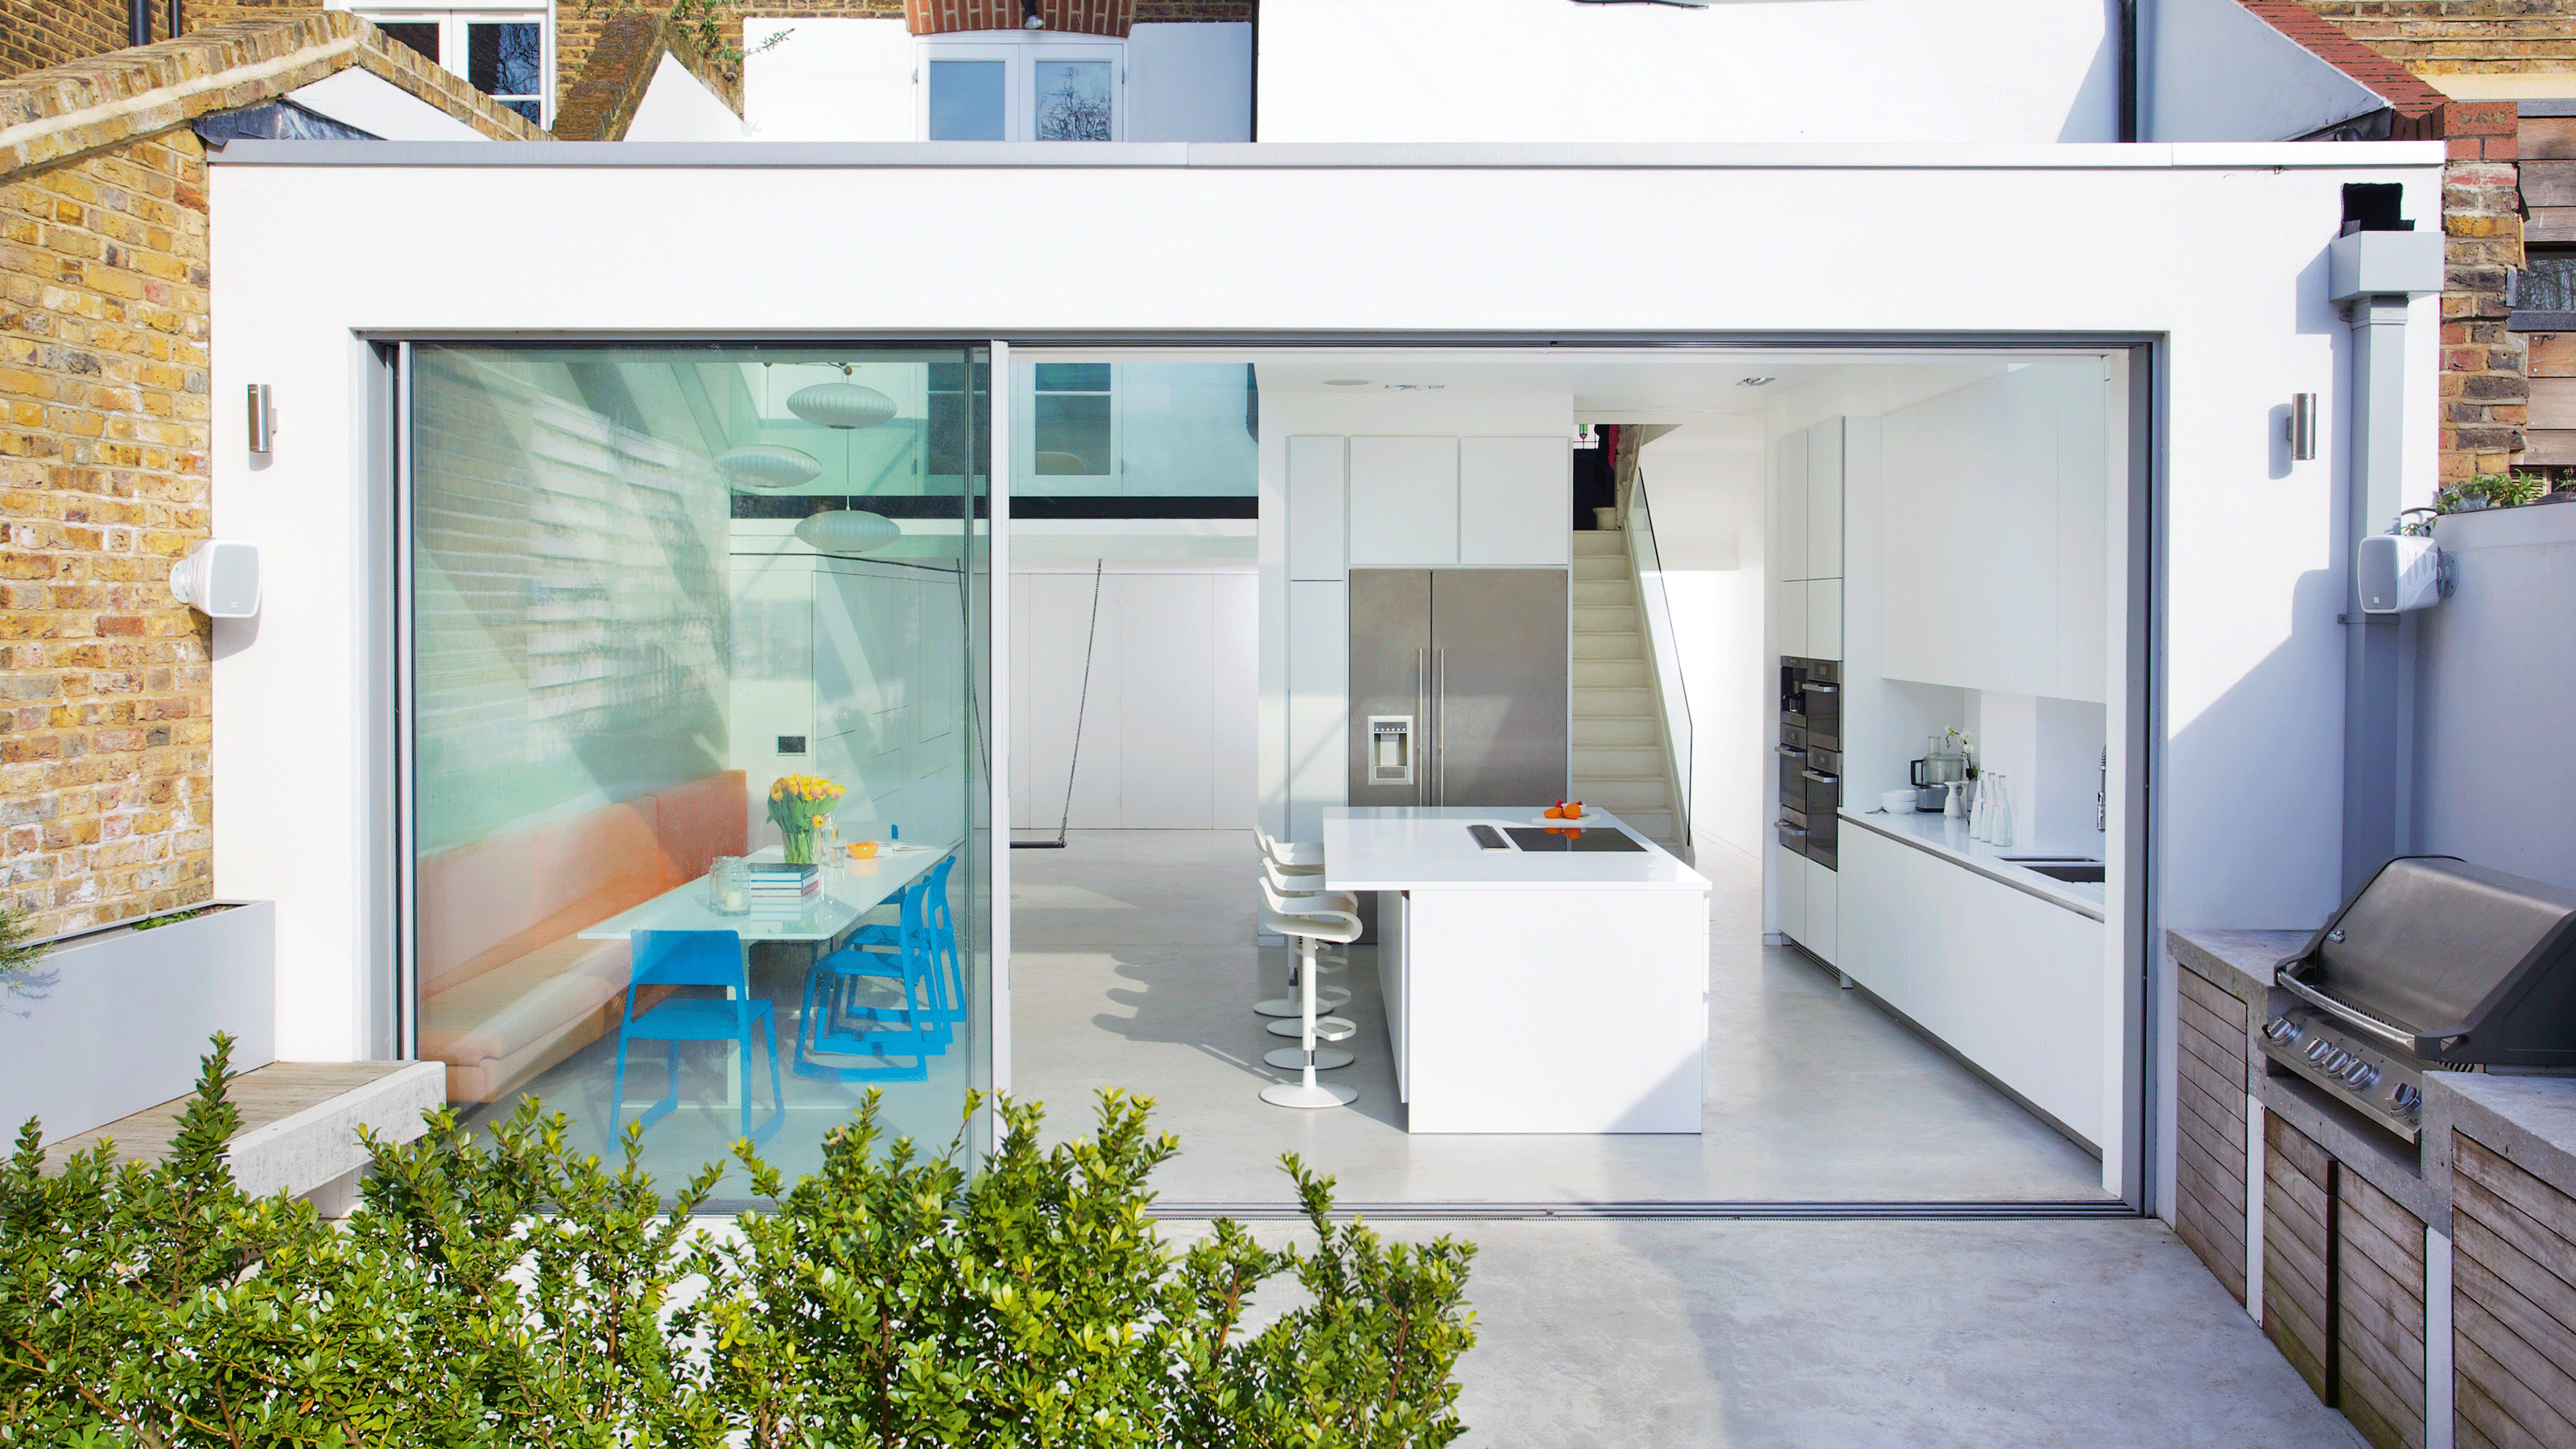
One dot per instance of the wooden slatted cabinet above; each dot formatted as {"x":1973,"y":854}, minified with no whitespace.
{"x":2209,"y":1156}
{"x":2513,"y":1302}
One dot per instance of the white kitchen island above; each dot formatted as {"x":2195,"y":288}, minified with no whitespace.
{"x":1531,"y":991}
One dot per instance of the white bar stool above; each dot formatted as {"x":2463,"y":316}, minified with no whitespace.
{"x":1293,"y":916}
{"x":1297,"y":857}
{"x":1304,"y":893}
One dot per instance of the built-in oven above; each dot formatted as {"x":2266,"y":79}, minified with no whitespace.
{"x":1810,"y":758}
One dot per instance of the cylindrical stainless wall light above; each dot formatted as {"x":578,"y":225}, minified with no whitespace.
{"x":263,"y":418}
{"x":2303,"y":427}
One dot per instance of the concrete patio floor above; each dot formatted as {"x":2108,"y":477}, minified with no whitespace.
{"x":1860,"y":1335}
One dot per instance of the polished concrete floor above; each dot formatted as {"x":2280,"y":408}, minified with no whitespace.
{"x":1133,"y":965}
{"x":1858,"y":1335}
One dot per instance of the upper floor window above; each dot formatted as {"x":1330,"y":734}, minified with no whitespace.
{"x":502,"y":52}
{"x":999,"y":86}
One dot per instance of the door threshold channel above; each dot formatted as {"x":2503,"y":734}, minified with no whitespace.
{"x":1710,"y":1211}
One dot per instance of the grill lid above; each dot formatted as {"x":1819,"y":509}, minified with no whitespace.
{"x":2440,"y":948}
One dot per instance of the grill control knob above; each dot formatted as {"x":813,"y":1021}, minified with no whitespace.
{"x":2319,"y":1051}
{"x":2362,"y":1076}
{"x":2336,"y":1064}
{"x":2404,"y":1098}
{"x":2284,"y":1030}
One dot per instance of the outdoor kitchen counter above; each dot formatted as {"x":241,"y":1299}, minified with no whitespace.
{"x":2529,"y":1120}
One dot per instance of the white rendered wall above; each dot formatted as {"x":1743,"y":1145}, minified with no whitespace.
{"x":2216,"y":71}
{"x":1189,"y":83}
{"x":827,"y":80}
{"x":1548,"y":70}
{"x":2495,"y":675}
{"x":2216,"y":249}
{"x":1704,"y":488}
{"x":380,"y":108}
{"x":677,"y":106}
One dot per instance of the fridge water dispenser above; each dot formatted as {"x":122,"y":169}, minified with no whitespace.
{"x":1390,"y":749}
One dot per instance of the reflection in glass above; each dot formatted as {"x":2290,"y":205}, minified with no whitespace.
{"x":1073,"y":100}
{"x":616,"y":656}
{"x":1137,"y":430}
{"x":420,"y":35}
{"x":504,"y":60}
{"x":966,"y":100}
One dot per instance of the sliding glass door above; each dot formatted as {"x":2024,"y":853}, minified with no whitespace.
{"x":697,"y":742}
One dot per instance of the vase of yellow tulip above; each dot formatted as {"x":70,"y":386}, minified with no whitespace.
{"x":798,"y":806}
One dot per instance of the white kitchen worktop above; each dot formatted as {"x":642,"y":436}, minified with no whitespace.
{"x":1406,"y":848}
{"x":1948,"y":838}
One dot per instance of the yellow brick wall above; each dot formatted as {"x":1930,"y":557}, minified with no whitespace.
{"x":105,"y":798}
{"x":38,"y":33}
{"x":2431,"y":37}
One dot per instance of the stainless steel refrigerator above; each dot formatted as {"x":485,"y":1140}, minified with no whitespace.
{"x":1458,"y":686}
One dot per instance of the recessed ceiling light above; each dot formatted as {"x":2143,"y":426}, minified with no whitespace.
{"x":1346,"y":382}
{"x":1755,"y":381}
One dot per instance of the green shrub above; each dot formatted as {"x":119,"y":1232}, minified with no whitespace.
{"x":507,"y":1291}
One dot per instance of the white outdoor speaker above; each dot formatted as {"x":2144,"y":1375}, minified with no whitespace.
{"x":219,"y":578}
{"x":2399,"y":572}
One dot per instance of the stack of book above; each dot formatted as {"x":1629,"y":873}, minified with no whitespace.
{"x":778,"y":886}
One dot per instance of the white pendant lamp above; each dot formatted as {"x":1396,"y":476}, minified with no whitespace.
{"x":767,"y":466}
{"x":841,"y":405}
{"x":847,"y":530}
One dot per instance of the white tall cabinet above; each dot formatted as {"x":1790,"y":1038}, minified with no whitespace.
{"x":1809,"y":477}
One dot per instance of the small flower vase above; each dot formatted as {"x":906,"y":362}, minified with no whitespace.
{"x":799,"y":845}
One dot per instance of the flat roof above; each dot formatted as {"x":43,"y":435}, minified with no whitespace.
{"x":1444,"y":156}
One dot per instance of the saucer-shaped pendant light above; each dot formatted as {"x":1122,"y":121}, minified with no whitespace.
{"x":766,"y":465}
{"x":847,"y":530}
{"x":840,"y":405}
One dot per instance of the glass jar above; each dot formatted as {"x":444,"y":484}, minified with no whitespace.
{"x":729,"y":886}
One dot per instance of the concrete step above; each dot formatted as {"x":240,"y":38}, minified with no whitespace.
{"x":1604,"y":620}
{"x":1610,"y":674}
{"x":1623,"y":793}
{"x":1594,"y":543}
{"x":1596,"y":761}
{"x":1615,"y":645}
{"x":1615,"y":591}
{"x":1607,"y":731}
{"x":1615,"y":703}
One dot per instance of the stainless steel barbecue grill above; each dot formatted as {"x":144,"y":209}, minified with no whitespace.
{"x":2433,"y":965}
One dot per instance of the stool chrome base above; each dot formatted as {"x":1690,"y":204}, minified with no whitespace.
{"x":1327,"y":1028}
{"x":1297,"y":1094}
{"x":1326,"y":998}
{"x":1289,"y":1059}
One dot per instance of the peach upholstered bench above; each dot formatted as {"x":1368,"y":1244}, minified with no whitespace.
{"x":506,"y":987}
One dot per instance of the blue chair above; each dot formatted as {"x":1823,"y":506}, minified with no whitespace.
{"x":906,"y":956}
{"x":693,"y":958}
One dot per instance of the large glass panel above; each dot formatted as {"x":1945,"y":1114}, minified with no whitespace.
{"x":966,"y":100}
{"x":1073,"y":100}
{"x":677,"y":607}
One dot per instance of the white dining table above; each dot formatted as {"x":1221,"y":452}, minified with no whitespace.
{"x":850,"y":891}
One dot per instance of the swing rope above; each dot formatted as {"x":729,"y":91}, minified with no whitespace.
{"x":1081,"y":707}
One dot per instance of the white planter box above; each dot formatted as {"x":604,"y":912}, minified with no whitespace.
{"x":112,"y":1021}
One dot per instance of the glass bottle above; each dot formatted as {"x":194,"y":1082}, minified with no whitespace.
{"x":1978,"y":808}
{"x":1999,"y":822}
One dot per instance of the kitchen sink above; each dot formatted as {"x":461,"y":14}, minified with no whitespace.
{"x":2074,"y":869}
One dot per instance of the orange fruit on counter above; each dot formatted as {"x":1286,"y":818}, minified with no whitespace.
{"x":1552,"y":813}
{"x":1574,"y":810}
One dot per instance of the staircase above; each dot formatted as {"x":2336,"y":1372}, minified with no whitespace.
{"x":1619,"y":760}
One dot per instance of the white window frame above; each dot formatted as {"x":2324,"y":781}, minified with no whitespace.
{"x":1019,"y":52}
{"x":451,"y":22}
